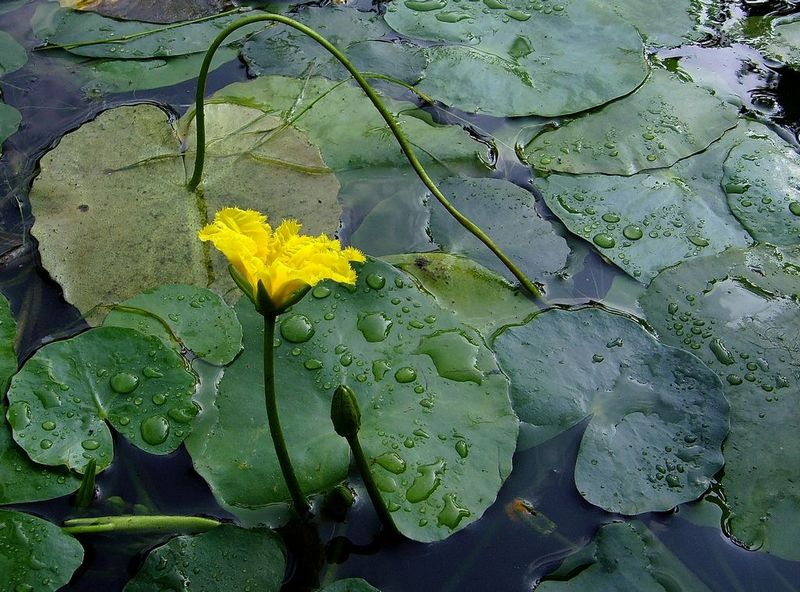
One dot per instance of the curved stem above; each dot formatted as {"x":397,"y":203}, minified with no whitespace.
{"x":399,"y":135}
{"x":134,"y":524}
{"x":372,"y":488}
{"x":275,"y":430}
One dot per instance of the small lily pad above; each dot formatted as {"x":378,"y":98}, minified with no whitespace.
{"x":657,"y":415}
{"x":62,"y":397}
{"x":349,"y":585}
{"x":153,"y":11}
{"x":12,"y":54}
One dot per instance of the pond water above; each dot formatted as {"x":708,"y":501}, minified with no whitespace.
{"x":539,"y":517}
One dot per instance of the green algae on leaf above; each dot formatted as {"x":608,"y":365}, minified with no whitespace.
{"x":35,"y":555}
{"x":738,"y":311}
{"x":61,"y":399}
{"x":662,"y":122}
{"x":222,"y":559}
{"x":657,"y":415}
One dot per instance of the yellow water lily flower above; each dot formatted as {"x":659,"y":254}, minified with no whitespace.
{"x":283,"y":262}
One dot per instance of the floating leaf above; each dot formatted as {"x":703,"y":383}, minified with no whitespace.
{"x":529,"y":58}
{"x":665,"y":25}
{"x":654,"y":219}
{"x":63,"y":395}
{"x":784,"y":43}
{"x":224,"y":558}
{"x":12,"y":54}
{"x":623,"y":556}
{"x":349,"y":585}
{"x":10,"y":119}
{"x":657,"y":415}
{"x":664,"y":121}
{"x":8,"y":333}
{"x":195,"y":318}
{"x":437,"y":424}
{"x":153,"y":11}
{"x":739,"y":312}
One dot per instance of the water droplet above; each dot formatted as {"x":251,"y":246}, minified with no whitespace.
{"x":150,"y":372}
{"x":19,"y":415}
{"x":454,"y":355}
{"x":124,"y":382}
{"x":452,"y":513}
{"x":604,"y":240}
{"x":425,"y":483}
{"x":495,"y":4}
{"x":173,"y":317}
{"x":616,"y":342}
{"x":379,"y":368}
{"x":312,"y":364}
{"x":392,"y":462}
{"x":45,"y":444}
{"x":321,"y":292}
{"x":610,"y":218}
{"x":405,"y":375}
{"x":297,"y":329}
{"x":597,"y":358}
{"x":632,"y":232}
{"x":183,"y":414}
{"x":673,"y":481}
{"x":374,"y":326}
{"x":462,"y":448}
{"x":159,"y":399}
{"x":90,"y":444}
{"x":721,"y":352}
{"x":48,"y":426}
{"x":155,"y":429}
{"x":697,"y":240}
{"x":518,"y":15}
{"x":794,"y":207}
{"x":124,"y":420}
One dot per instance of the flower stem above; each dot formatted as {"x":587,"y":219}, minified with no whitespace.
{"x":399,"y":135}
{"x":133,"y":524}
{"x":369,"y":483}
{"x":275,"y":430}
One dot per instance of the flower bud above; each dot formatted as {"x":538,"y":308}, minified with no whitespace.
{"x":345,"y":413}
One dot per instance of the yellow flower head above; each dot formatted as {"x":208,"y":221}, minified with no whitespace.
{"x":284,"y":262}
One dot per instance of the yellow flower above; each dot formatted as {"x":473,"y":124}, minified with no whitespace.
{"x":284,"y":262}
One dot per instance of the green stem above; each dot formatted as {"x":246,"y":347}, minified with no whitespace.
{"x":369,"y":483}
{"x":399,"y":135}
{"x":135,"y":524}
{"x":275,"y":430}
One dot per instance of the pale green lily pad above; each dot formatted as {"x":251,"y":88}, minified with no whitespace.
{"x":359,"y":35}
{"x":784,"y":43}
{"x":194,"y":318}
{"x":739,"y":311}
{"x":11,"y":5}
{"x":529,"y":58}
{"x":10,"y":119}
{"x":666,"y":24}
{"x":657,"y":415}
{"x":664,"y":121}
{"x":437,"y":425}
{"x":153,"y":11}
{"x":12,"y":54}
{"x":623,"y":556}
{"x":222,"y":559}
{"x":92,"y":35}
{"x":62,"y":397}
{"x":506,"y":213}
{"x":349,"y":585}
{"x":762,"y":181}
{"x":35,"y":555}
{"x":654,"y":219}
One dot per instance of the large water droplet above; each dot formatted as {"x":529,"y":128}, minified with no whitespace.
{"x":454,"y":355}
{"x":604,"y":240}
{"x":794,"y":207}
{"x":45,"y":444}
{"x":155,"y":429}
{"x":48,"y":426}
{"x":392,"y":462}
{"x":19,"y":415}
{"x":124,"y":382}
{"x":425,"y":483}
{"x":374,"y":280}
{"x":150,"y":372}
{"x":721,"y":352}
{"x":90,"y":444}
{"x":405,"y":375}
{"x":632,"y":232}
{"x":183,"y":414}
{"x":462,"y":448}
{"x":374,"y":326}
{"x":425,"y":5}
{"x":452,"y":513}
{"x":297,"y":329}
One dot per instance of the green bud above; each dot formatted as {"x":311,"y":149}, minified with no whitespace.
{"x":345,"y":414}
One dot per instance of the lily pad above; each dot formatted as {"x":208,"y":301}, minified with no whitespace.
{"x":224,"y":558}
{"x":623,"y":556}
{"x":657,"y":415}
{"x":665,"y":24}
{"x":762,"y":181}
{"x":505,"y":212}
{"x":153,"y":11}
{"x":437,"y":425}
{"x":784,"y":43}
{"x":8,"y":333}
{"x":10,"y":119}
{"x":739,"y":312}
{"x":62,"y":397}
{"x":530,"y":59}
{"x":664,"y":121}
{"x":12,"y":54}
{"x":35,"y":555}
{"x":654,"y":219}
{"x":349,"y":585}
{"x":194,"y":318}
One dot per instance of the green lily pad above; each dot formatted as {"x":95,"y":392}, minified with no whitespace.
{"x":11,"y":5}
{"x":437,"y":425}
{"x":12,"y":54}
{"x":8,"y":333}
{"x":35,"y":555}
{"x":194,"y":318}
{"x":530,"y":59}
{"x":762,"y":181}
{"x":664,"y":24}
{"x":93,"y":35}
{"x":783,"y":44}
{"x":654,"y":219}
{"x":657,"y":415}
{"x":153,"y":11}
{"x":744,"y":304}
{"x":62,"y":397}
{"x":349,"y":585}
{"x":224,"y":558}
{"x":10,"y":119}
{"x":623,"y":556}
{"x":664,"y":121}
{"x":505,"y":212}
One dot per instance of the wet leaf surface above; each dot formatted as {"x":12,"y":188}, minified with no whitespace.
{"x":12,"y":54}
{"x":154,"y":11}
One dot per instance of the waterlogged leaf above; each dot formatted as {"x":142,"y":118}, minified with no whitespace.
{"x":64,"y":395}
{"x":154,"y":11}
{"x":194,"y":318}
{"x":623,"y":556}
{"x":12,"y":54}
{"x":664,"y":121}
{"x":92,"y":35}
{"x":654,"y":219}
{"x":359,"y":35}
{"x":506,"y":213}
{"x":349,"y":585}
{"x":657,"y":415}
{"x":783,"y":44}
{"x":35,"y":555}
{"x":530,"y":59}
{"x":10,"y":119}
{"x":666,"y":25}
{"x":437,"y":425}
{"x":739,"y":312}
{"x":762,"y":181}
{"x":224,"y":558}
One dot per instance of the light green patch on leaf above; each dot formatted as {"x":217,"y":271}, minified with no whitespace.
{"x":623,"y":556}
{"x":783,"y":44}
{"x":664,"y":121}
{"x":12,"y":54}
{"x":657,"y":415}
{"x":666,"y":24}
{"x":64,"y":395}
{"x":762,"y":182}
{"x":528,"y":58}
{"x":224,"y":558}
{"x":654,"y":219}
{"x":183,"y":316}
{"x":437,"y":425}
{"x":744,"y":304}
{"x":153,"y":11}
{"x":35,"y":555}
{"x":10,"y":119}
{"x":349,"y":585}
